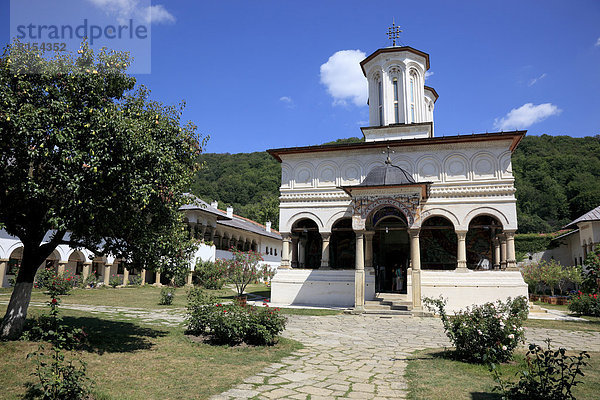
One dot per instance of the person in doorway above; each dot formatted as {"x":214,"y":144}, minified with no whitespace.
{"x":398,"y":278}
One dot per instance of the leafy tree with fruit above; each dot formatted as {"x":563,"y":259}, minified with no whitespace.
{"x":88,"y":160}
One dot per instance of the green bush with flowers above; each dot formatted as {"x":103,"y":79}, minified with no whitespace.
{"x":58,"y":283}
{"x":585,"y":304}
{"x":244,"y":268}
{"x":233,"y":323}
{"x":486,"y":333}
{"x":211,"y":275}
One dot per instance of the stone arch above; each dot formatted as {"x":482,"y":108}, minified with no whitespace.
{"x":304,"y":175}
{"x":382,"y":202}
{"x":405,"y":163}
{"x":484,"y":165}
{"x":327,"y":174}
{"x":286,"y":175}
{"x":3,"y":254}
{"x":351,"y":172}
{"x":456,"y":168}
{"x":77,"y":253}
{"x":335,"y":218}
{"x":15,"y":246}
{"x":439,"y":243}
{"x":505,"y":165}
{"x":441,"y":212}
{"x":489,"y":211}
{"x":303,"y":215}
{"x":428,"y":168}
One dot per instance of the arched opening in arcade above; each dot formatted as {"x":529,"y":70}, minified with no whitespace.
{"x":306,"y":244}
{"x":391,"y":249}
{"x":481,"y":242}
{"x":438,"y":243}
{"x":342,"y":245}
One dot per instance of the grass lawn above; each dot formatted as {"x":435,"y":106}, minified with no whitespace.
{"x":432,"y":376}
{"x":128,"y":360}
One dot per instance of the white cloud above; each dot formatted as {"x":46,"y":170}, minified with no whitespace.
{"x":125,"y":9}
{"x":428,"y":74}
{"x":526,"y":115}
{"x":536,"y":80}
{"x":598,"y":42}
{"x":289,"y":103}
{"x":157,"y":14}
{"x":343,"y":77}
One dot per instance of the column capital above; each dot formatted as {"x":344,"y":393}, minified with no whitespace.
{"x":286,"y":236}
{"x":359,"y":232}
{"x":4,"y":260}
{"x":414,"y":232}
{"x":509,"y":234}
{"x":369,"y":234}
{"x":460,"y":232}
{"x":325,"y":235}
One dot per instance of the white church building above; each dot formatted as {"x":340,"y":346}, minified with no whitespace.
{"x":404,"y":214}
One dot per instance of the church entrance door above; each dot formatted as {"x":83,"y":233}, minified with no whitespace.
{"x":391,"y":254}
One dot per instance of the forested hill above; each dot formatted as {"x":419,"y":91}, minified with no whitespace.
{"x":557,"y":179}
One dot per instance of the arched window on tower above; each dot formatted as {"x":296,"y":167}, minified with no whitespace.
{"x":380,"y":101}
{"x":412,"y":84}
{"x":396,"y":110}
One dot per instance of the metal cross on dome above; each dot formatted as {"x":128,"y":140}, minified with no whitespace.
{"x":394,"y":33}
{"x":388,"y":160}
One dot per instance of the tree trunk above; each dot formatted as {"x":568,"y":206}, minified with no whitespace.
{"x":16,"y":312}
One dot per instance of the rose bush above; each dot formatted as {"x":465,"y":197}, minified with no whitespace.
{"x":585,"y":304}
{"x":485,"y":333}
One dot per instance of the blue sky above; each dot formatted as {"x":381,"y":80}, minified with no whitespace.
{"x":250,"y":71}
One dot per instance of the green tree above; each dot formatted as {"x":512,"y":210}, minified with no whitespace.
{"x":88,"y":161}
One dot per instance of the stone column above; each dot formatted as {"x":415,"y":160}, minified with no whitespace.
{"x":461,"y":253}
{"x":496,"y":253}
{"x":86,"y":270}
{"x":415,"y":258}
{"x":369,"y":250}
{"x":511,"y":261}
{"x":143,"y":276}
{"x":359,"y":274}
{"x":157,"y":279}
{"x":325,"y":236}
{"x":295,"y":252}
{"x":502,"y":251}
{"x":188,"y":280}
{"x":3,"y":265}
{"x":125,"y":276}
{"x":302,"y":252}
{"x":285,"y":251}
{"x":61,"y":267}
{"x":107,"y":274}
{"x":211,"y":233}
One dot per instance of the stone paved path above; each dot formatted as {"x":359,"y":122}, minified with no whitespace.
{"x":351,"y":356}
{"x":362,"y":357}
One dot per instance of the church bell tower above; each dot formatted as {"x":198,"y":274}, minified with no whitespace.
{"x":400,"y":105}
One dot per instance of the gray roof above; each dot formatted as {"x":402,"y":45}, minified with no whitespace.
{"x":196,"y":203}
{"x":234,"y":221}
{"x":387,"y":175}
{"x":593,"y":215}
{"x":250,"y":226}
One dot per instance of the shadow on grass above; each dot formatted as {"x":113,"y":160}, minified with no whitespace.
{"x":485,"y":396}
{"x":106,"y":336}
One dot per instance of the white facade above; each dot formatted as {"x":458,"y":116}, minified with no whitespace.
{"x":464,"y":184}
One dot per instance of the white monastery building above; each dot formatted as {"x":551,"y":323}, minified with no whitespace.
{"x":404,"y":214}
{"x":217,"y":232}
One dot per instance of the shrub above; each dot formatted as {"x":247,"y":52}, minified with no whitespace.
{"x":59,"y":285}
{"x":114,"y":281}
{"x":550,"y":375}
{"x":484,"y":333}
{"x":59,"y":379}
{"x":197,"y":312}
{"x":135,"y":280}
{"x":585,"y":304}
{"x":232,"y":324}
{"x":211,"y":275}
{"x":244,"y":268}
{"x":166,"y":296}
{"x":592,"y":271}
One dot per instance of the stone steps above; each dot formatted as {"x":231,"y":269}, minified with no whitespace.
{"x":389,"y":304}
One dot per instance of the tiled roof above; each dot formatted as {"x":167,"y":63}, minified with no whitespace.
{"x":235,"y":221}
{"x":250,"y":226}
{"x":593,"y":215}
{"x":196,"y":203}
